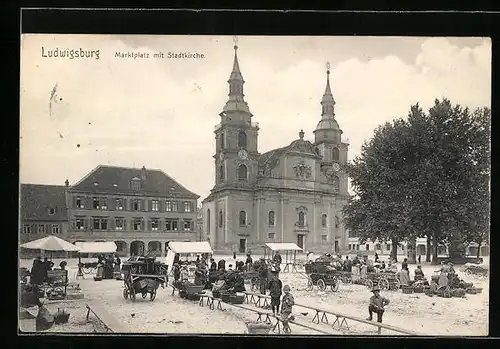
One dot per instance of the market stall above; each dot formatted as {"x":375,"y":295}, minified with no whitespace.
{"x":102,"y":247}
{"x":290,"y":253}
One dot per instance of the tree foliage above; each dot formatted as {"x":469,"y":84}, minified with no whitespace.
{"x":424,"y":175}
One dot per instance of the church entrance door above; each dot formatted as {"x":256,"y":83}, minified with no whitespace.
{"x":243,"y":245}
{"x":300,"y":240}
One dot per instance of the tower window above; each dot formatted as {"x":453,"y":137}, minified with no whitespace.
{"x":222,"y":143}
{"x":335,"y":154}
{"x":271,"y":219}
{"x":221,"y":219}
{"x":243,"y":218}
{"x":208,"y":221}
{"x":242,"y":173}
{"x":221,"y":173}
{"x":242,"y":139}
{"x":302,"y":219}
{"x":323,"y":220}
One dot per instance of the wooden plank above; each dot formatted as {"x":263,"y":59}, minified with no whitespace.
{"x":106,"y":318}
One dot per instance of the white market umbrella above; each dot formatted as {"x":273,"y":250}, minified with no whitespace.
{"x":50,"y":243}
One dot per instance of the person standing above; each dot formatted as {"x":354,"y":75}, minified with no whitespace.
{"x":213,"y":265}
{"x":275,"y":286}
{"x":377,"y":304}
{"x":404,"y":265}
{"x":277,"y":258}
{"x":419,"y":258}
{"x":376,"y":258}
{"x":286,"y":308}
{"x":249,"y":262}
{"x":262,"y":276}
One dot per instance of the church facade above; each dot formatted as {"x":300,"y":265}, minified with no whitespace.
{"x":291,"y":194}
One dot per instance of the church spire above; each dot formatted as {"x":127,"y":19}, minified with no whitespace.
{"x":327,"y":102}
{"x":236,"y":101}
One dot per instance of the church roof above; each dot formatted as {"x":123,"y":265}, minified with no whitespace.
{"x":111,"y":179}
{"x":327,"y":124}
{"x":37,"y":200}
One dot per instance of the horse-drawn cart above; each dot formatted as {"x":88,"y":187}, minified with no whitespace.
{"x":321,"y":274}
{"x":383,"y":280}
{"x":143,"y":275}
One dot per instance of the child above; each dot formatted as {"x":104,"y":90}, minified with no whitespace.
{"x":286,"y":308}
{"x":377,"y":304}
{"x":275,"y":286}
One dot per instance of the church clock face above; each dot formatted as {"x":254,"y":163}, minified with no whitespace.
{"x":243,"y":154}
{"x":336,"y":167}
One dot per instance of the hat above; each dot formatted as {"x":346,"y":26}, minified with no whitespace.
{"x":376,"y":288}
{"x":286,"y":288}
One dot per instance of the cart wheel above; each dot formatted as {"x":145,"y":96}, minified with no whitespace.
{"x":347,"y":280}
{"x":321,"y":284}
{"x":310,"y":284}
{"x":152,"y":295}
{"x":397,"y":284}
{"x":125,"y":293}
{"x":335,"y":286}
{"x":383,"y":284}
{"x":369,"y":283}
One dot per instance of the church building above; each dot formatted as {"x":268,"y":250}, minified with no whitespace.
{"x":291,"y":194}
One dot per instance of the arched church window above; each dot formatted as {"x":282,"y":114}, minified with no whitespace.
{"x":323,"y":220}
{"x":222,"y":142}
{"x":335,"y":181}
{"x":221,"y":219}
{"x":208,"y":221}
{"x":302,"y":219}
{"x":242,"y":140}
{"x":271,"y":219}
{"x":242,"y":173}
{"x":335,"y":154}
{"x":243,"y":218}
{"x":337,"y":221}
{"x":221,"y":173}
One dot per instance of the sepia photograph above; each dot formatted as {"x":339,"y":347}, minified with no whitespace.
{"x":254,"y":185}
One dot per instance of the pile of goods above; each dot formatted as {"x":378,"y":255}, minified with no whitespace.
{"x":456,"y":287}
{"x":61,"y":317}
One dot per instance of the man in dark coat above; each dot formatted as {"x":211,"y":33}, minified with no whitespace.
{"x":275,"y":286}
{"x":221,"y":265}
{"x":36,"y":277}
{"x":249,"y":262}
{"x":262,"y":276}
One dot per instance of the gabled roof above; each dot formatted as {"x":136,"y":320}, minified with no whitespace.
{"x":38,"y":199}
{"x":113,"y":179}
{"x":298,"y":145}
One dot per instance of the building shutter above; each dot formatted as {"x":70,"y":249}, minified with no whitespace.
{"x":73,"y":224}
{"x":160,"y":206}
{"x":111,"y":203}
{"x":124,"y":224}
{"x":73,"y":201}
{"x":86,"y":223}
{"x":180,"y":206}
{"x":149,"y":225}
{"x":143,"y":204}
{"x":111,"y":224}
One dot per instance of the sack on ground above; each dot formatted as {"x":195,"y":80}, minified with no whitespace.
{"x":44,"y":319}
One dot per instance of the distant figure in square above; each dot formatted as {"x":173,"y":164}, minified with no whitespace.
{"x":419,"y":273}
{"x":376,"y":258}
{"x":377,"y":304}
{"x":275,"y":286}
{"x":419,"y":258}
{"x":404,"y":265}
{"x":277,"y":258}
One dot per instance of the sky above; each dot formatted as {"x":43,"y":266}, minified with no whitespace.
{"x":160,"y":113}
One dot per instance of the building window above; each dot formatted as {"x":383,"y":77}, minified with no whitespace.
{"x":221,"y":173}
{"x":95,"y":203}
{"x":119,"y":204}
{"x":337,"y":221}
{"x":349,"y":246}
{"x":187,"y":206}
{"x":402,"y":248}
{"x":135,"y":184}
{"x":171,"y":224}
{"x":80,"y":224}
{"x":242,"y":139}
{"x":323,"y":220}
{"x":208,"y":221}
{"x":52,"y":211}
{"x":357,"y":247}
{"x":243,"y":218}
{"x":41,"y":228}
{"x":378,"y":247}
{"x":324,"y":237}
{"x":271,"y":219}
{"x":336,"y":183}
{"x":221,"y":219}
{"x":104,"y":224}
{"x":104,"y":204}
{"x":79,"y":203}
{"x":222,"y":143}
{"x":242,"y":173}
{"x":335,"y":154}
{"x":367,"y":247}
{"x":155,"y":224}
{"x":136,"y":205}
{"x":119,"y":223}
{"x":137,"y":224}
{"x":55,"y":228}
{"x":271,"y":236}
{"x":154,"y":205}
{"x":27,"y":229}
{"x":302,"y":219}
{"x":187,"y":224}
{"x":387,"y":247}
{"x":171,"y":206}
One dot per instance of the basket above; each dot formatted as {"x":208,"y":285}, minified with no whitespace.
{"x":259,"y":328}
{"x":97,"y":278}
{"x":418,"y":290}
{"x":61,"y":317}
{"x":236,"y":299}
{"x":216,"y":294}
{"x":407,"y":289}
{"x":193,"y":297}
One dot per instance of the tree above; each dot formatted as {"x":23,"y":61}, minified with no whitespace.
{"x":424,"y":176}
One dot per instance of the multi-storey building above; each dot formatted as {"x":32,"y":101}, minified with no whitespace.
{"x":292,"y":194}
{"x":139,"y":209}
{"x":42,"y":212}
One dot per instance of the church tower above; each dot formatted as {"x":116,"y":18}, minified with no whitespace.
{"x":236,"y":157}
